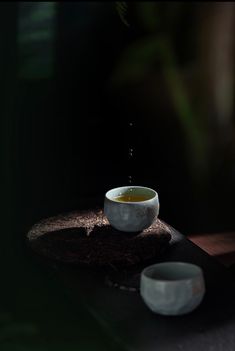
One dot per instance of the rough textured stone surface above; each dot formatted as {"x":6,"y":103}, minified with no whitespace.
{"x":85,"y":237}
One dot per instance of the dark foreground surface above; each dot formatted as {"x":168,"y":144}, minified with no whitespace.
{"x":125,"y":317}
{"x":47,"y":306}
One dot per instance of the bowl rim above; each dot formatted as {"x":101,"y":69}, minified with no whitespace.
{"x":107,"y":194}
{"x":198,"y":272}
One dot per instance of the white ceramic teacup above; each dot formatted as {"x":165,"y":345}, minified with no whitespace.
{"x":131,"y":216}
{"x":172,"y":288}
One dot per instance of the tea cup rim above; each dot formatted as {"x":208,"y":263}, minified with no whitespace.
{"x":107,"y":194}
{"x":198,"y":272}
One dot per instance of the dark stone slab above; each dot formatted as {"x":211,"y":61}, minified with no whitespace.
{"x":124,"y":316}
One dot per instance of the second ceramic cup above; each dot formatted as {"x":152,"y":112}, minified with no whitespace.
{"x":172,"y":288}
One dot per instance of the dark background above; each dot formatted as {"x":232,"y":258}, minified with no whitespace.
{"x":67,"y":101}
{"x":72,"y":78}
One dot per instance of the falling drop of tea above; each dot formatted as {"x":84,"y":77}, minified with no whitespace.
{"x":130,"y":151}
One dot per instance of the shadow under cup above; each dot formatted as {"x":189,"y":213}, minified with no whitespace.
{"x":131,"y":208}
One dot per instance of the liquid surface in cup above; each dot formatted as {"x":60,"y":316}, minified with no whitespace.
{"x":132,"y":198}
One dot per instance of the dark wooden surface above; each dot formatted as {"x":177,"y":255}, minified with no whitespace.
{"x":220,"y":245}
{"x":132,"y":326}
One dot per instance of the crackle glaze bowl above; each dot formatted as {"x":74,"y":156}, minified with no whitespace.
{"x":172,"y":288}
{"x":131,"y":216}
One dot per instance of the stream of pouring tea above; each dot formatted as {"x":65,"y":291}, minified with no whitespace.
{"x":130,"y":152}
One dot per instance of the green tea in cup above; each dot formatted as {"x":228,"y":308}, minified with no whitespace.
{"x":131,"y":198}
